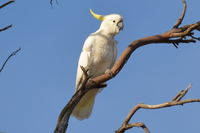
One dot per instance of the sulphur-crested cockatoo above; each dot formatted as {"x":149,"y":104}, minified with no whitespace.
{"x":98,"y":56}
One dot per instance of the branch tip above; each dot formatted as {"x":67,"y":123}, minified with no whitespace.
{"x":84,"y":71}
{"x":179,"y":21}
{"x":12,"y":54}
{"x":7,"y":3}
{"x":5,"y":28}
{"x":182,"y":93}
{"x":51,"y":2}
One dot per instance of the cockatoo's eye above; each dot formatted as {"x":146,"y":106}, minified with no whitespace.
{"x":113,"y":21}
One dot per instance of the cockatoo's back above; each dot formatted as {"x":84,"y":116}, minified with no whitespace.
{"x":98,"y":55}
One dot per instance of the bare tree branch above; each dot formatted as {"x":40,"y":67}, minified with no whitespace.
{"x":182,"y":93}
{"x":7,"y":3}
{"x":64,"y":116}
{"x":5,"y":28}
{"x":179,"y":21}
{"x":12,"y":54}
{"x":175,"y":36}
{"x":51,"y":2}
{"x":62,"y":126}
{"x":177,"y":101}
{"x":1,"y":6}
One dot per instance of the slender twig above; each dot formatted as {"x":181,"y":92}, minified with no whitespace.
{"x":182,"y":93}
{"x":5,"y":28}
{"x":187,"y":32}
{"x":176,"y":101}
{"x":179,"y":21}
{"x":51,"y":2}
{"x":196,"y":38}
{"x":12,"y":54}
{"x":7,"y":3}
{"x":4,"y":5}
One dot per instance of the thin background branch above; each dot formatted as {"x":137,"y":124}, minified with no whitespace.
{"x":5,"y":62}
{"x":7,"y":3}
{"x":4,"y":5}
{"x":51,"y":2}
{"x":5,"y":28}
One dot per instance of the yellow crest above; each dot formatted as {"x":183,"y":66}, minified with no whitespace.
{"x":97,"y":16}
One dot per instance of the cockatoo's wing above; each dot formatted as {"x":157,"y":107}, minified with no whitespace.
{"x":84,"y":60}
{"x":85,"y":105}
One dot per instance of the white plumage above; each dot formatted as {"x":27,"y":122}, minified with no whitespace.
{"x":98,"y":55}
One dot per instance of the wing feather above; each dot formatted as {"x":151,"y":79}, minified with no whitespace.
{"x":84,"y":60}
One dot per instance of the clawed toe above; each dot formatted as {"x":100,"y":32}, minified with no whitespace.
{"x":108,"y":71}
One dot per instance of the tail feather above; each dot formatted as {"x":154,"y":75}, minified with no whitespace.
{"x":84,"y":108}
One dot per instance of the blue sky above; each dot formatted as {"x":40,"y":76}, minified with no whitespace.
{"x":36,"y":83}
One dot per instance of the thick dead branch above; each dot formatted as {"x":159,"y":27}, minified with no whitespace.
{"x":66,"y":109}
{"x":7,"y":3}
{"x":176,"y":101}
{"x":175,"y":35}
{"x":167,"y":37}
{"x":64,"y":116}
{"x":12,"y":54}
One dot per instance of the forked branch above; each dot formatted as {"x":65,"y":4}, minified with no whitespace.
{"x":175,"y":101}
{"x":174,"y":36}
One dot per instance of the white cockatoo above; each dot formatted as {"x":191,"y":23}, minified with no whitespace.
{"x":98,"y":56}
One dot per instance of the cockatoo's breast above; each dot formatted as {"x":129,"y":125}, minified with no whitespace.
{"x":103,"y":55}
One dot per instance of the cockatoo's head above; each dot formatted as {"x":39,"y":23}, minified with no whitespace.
{"x":111,"y":24}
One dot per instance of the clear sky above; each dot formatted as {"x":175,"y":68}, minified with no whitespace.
{"x":37,"y":82}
